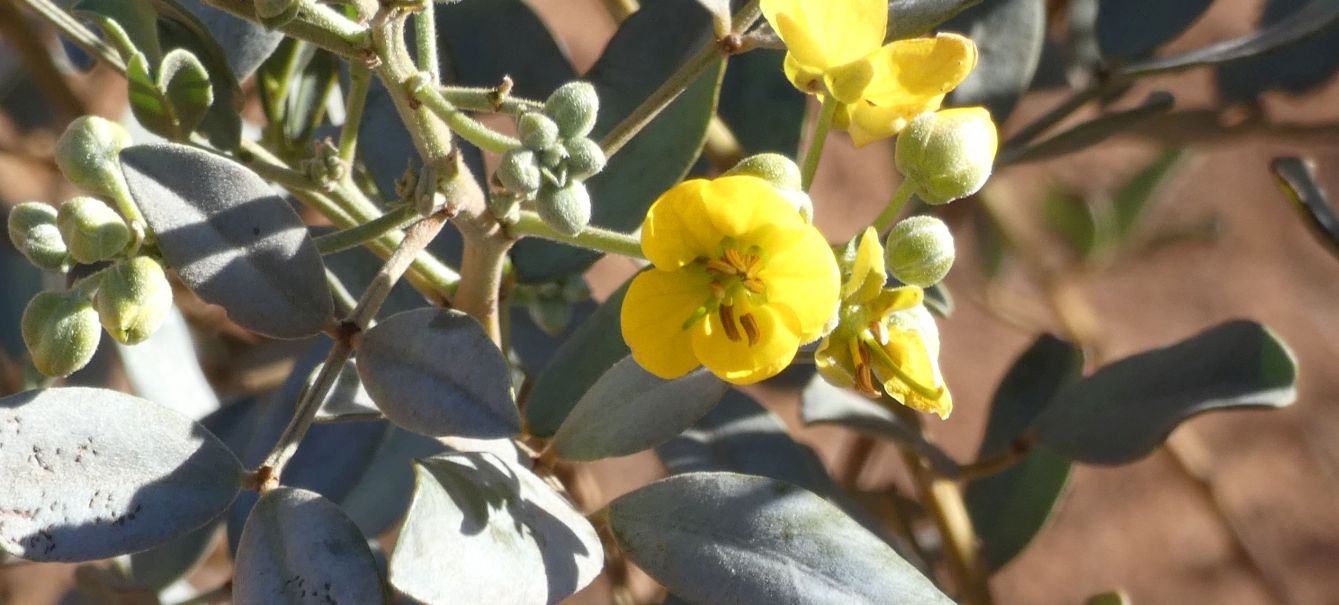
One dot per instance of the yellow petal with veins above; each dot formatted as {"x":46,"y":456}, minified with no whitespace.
{"x":740,"y":362}
{"x":654,"y":311}
{"x":802,"y":276}
{"x":677,"y":229}
{"x":738,"y":206}
{"x":828,"y":33}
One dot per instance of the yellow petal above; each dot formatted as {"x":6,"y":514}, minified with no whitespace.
{"x":803,"y":277}
{"x":677,"y":228}
{"x":654,"y":311}
{"x":868,"y":123}
{"x":738,"y":206}
{"x":806,"y":79}
{"x":740,"y":362}
{"x":897,"y":299}
{"x":867,"y":272}
{"x":847,"y":82}
{"x":833,"y":359}
{"x":913,"y":73}
{"x":914,"y":362}
{"x":828,"y":33}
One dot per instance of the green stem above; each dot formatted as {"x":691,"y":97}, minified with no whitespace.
{"x":815,"y":151}
{"x":885,"y":220}
{"x":487,"y":99}
{"x":358,"y":235}
{"x":76,"y":32}
{"x":326,"y":19}
{"x":360,"y":80}
{"x":708,"y":52}
{"x":458,"y":121}
{"x":425,"y":39}
{"x":593,"y":238}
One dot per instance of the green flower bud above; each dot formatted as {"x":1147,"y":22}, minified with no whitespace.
{"x":584,"y":158}
{"x":133,"y":298}
{"x":774,"y":168}
{"x":519,"y":172}
{"x":32,"y":228}
{"x":61,"y":332}
{"x":919,"y":251}
{"x":536,"y":131}
{"x":553,"y":157}
{"x":573,"y":107}
{"x":566,"y":209}
{"x":91,"y":229}
{"x":87,"y":154}
{"x":948,"y":154}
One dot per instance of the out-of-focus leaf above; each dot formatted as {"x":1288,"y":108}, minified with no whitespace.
{"x":95,"y":473}
{"x":629,"y":409}
{"x":1297,"y":68}
{"x":1130,"y":201}
{"x":741,"y":436}
{"x":509,"y":537}
{"x":761,"y":107}
{"x":165,"y":369}
{"x":1126,"y":409}
{"x":1009,"y":35}
{"x":1009,"y":508}
{"x":300,"y":548}
{"x":179,"y":28}
{"x":245,"y":44}
{"x":185,"y":84}
{"x":911,"y":18}
{"x":160,"y":566}
{"x":147,"y":101}
{"x":470,"y":44}
{"x":1308,"y":20}
{"x":1092,"y":132}
{"x":939,"y":300}
{"x":138,"y":20}
{"x":1071,"y":216}
{"x":730,"y":538}
{"x":536,"y":347}
{"x":1130,"y":29}
{"x":307,"y":98}
{"x":594,"y":347}
{"x":232,"y":240}
{"x":435,"y":372}
{"x":1298,"y":182}
{"x":645,"y":50}
{"x":823,"y":403}
{"x":990,"y":244}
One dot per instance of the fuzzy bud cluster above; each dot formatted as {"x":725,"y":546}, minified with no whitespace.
{"x":556,"y":157}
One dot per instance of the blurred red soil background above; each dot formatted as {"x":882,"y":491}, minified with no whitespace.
{"x":1240,"y":508}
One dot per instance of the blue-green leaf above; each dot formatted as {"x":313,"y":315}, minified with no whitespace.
{"x":435,"y":372}
{"x":911,"y":18}
{"x":185,"y":84}
{"x":647,"y":48}
{"x":761,"y":107}
{"x":138,"y":20}
{"x":300,"y":548}
{"x":483,"y":40}
{"x":1297,"y":178}
{"x":823,"y":403}
{"x":1126,"y":409}
{"x":730,"y":538}
{"x":629,"y":409}
{"x":1297,"y":68}
{"x":1130,"y":29}
{"x":1092,"y":132}
{"x":232,"y":240}
{"x":1009,"y":36}
{"x":508,"y":537}
{"x":246,"y":44}
{"x":95,"y":473}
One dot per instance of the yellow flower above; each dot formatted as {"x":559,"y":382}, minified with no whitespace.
{"x":837,"y":46}
{"x":884,"y":335}
{"x":739,"y":282}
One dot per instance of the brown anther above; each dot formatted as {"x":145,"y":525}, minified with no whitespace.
{"x":755,"y":286}
{"x":718,"y":290}
{"x":735,"y":258}
{"x":864,"y":380}
{"x":717,"y":265}
{"x":750,"y":324}
{"x":727,"y":314}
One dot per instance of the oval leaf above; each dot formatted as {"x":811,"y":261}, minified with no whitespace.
{"x":823,"y":403}
{"x":96,"y":473}
{"x":435,"y":372}
{"x":1296,"y":68}
{"x":643,"y":53}
{"x":300,"y":548}
{"x":508,"y":536}
{"x":1092,"y":132}
{"x":911,"y":18}
{"x":230,"y":238}
{"x":1297,"y":178}
{"x":629,"y":409}
{"x":596,"y":345}
{"x":185,"y":83}
{"x":245,"y":44}
{"x":729,"y":538}
{"x":1126,"y":409}
{"x":1128,"y":29}
{"x":1009,"y":35}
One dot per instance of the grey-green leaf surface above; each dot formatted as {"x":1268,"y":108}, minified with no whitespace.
{"x":185,"y":83}
{"x":179,"y":28}
{"x":1297,"y":178}
{"x":1092,"y":132}
{"x":435,"y":372}
{"x":231,"y":239}
{"x":1131,"y":29}
{"x":165,"y":369}
{"x":1009,"y":508}
{"x":347,"y":400}
{"x":477,"y":55}
{"x":508,"y":537}
{"x":1129,"y":202}
{"x":1296,"y":68}
{"x":911,"y":18}
{"x":645,"y":50}
{"x":578,"y":363}
{"x":245,"y":44}
{"x":137,"y":19}
{"x":741,"y":436}
{"x":823,"y":403}
{"x":380,"y":498}
{"x":1126,"y":409}
{"x":1306,"y":21}
{"x":300,"y":548}
{"x":761,"y":107}
{"x":1009,"y":36}
{"x":94,"y":473}
{"x":160,"y":566}
{"x":731,"y":538}
{"x":629,"y":409}
{"x":147,"y":101}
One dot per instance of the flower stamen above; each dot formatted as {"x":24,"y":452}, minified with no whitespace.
{"x":727,"y":314}
{"x":750,"y":324}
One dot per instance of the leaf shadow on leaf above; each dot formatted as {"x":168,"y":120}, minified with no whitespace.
{"x":64,"y":523}
{"x":501,"y":488}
